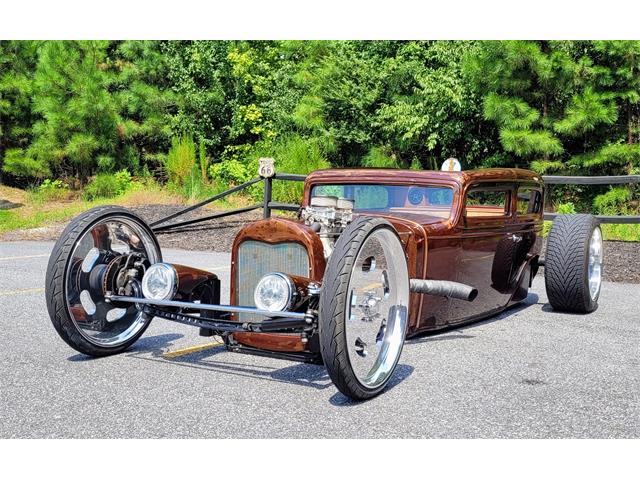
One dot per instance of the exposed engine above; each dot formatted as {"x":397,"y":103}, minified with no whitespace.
{"x":328,"y":216}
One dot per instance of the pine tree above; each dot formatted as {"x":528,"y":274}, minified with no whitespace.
{"x":569,"y":107}
{"x":17,"y":64}
{"x":525,"y":86}
{"x":145,"y":100}
{"x":79,"y":116}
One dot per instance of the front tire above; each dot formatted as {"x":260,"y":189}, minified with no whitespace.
{"x":363,"y":308}
{"x":573,"y":264}
{"x":90,"y":254}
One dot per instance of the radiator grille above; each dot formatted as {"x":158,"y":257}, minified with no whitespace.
{"x":256,"y":259}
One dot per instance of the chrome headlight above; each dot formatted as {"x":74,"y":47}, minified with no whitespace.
{"x":274,"y":292}
{"x":160,"y":282}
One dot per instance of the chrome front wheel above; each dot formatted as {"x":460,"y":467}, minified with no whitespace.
{"x":106,"y":249}
{"x":364,"y":308}
{"x":376,"y":308}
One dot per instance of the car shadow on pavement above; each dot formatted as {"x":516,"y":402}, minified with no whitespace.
{"x":461,"y":330}
{"x":402,"y":373}
{"x":547,"y":308}
{"x":154,"y":344}
{"x":303,"y":374}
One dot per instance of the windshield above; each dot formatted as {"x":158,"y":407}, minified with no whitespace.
{"x":427,"y":200}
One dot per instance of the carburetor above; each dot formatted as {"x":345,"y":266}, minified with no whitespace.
{"x":328,"y":216}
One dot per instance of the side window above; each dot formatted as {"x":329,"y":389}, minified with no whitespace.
{"x":486,"y":203}
{"x":529,"y":201}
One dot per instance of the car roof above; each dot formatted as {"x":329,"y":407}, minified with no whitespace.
{"x":389,"y":175}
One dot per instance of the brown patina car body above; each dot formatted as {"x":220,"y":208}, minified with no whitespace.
{"x":372,"y":257}
{"x":494,"y":250}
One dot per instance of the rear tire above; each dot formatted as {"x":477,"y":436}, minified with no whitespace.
{"x":361,"y":347}
{"x":573,"y":264}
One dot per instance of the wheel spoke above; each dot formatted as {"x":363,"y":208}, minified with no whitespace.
{"x":378,"y":284}
{"x":98,"y":258}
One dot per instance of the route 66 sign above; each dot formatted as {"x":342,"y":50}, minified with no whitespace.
{"x":266,"y":168}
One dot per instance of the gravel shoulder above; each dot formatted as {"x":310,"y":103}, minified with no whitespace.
{"x":621,"y":262}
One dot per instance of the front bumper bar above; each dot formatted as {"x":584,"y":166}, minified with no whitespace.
{"x":286,"y":322}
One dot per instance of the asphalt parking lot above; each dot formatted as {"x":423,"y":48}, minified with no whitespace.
{"x":529,"y":372}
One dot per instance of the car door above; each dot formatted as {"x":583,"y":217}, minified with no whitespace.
{"x":526,"y":226}
{"x":485,"y":230}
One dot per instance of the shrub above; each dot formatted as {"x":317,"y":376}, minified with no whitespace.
{"x":108,"y":185}
{"x":193,"y":187}
{"x":293,"y":154}
{"x":229,"y":173}
{"x":106,"y":163}
{"x":378,"y":157}
{"x":613,"y":202}
{"x":180,"y":160}
{"x":52,"y":190}
{"x":203,"y":160}
{"x":566,"y":208}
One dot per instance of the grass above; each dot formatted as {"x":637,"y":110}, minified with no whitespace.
{"x":622,"y":232}
{"x":627,"y":233}
{"x":37,"y":211}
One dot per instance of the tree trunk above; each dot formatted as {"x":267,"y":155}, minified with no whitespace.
{"x":629,"y":124}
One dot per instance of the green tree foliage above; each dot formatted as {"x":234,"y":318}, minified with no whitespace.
{"x":525,"y":86}
{"x":17,"y":62}
{"x":181,"y":160}
{"x":145,"y":100}
{"x":81,"y":108}
{"x":570,"y":107}
{"x":79,"y":117}
{"x":429,"y":112}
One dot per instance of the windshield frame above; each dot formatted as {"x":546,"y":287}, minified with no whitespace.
{"x":432,"y":182}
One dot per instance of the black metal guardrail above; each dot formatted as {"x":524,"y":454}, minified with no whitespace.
{"x":268,"y":204}
{"x":596,"y":180}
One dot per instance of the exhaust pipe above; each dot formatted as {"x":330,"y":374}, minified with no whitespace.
{"x":443,"y":288}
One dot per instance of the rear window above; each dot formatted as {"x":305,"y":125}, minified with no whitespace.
{"x":529,"y":201}
{"x":486,"y":203}
{"x":429,"y":200}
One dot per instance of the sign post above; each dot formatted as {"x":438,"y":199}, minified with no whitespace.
{"x":267,"y":170}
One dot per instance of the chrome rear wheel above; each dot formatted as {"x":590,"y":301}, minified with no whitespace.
{"x":574,"y":262}
{"x":595,"y":263}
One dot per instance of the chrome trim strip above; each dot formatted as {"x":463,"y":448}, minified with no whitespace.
{"x":203,"y":306}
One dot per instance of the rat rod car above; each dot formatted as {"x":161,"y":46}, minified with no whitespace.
{"x":373,"y":257}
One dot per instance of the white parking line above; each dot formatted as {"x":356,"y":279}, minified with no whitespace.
{"x":22,"y":257}
{"x":21,"y":290}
